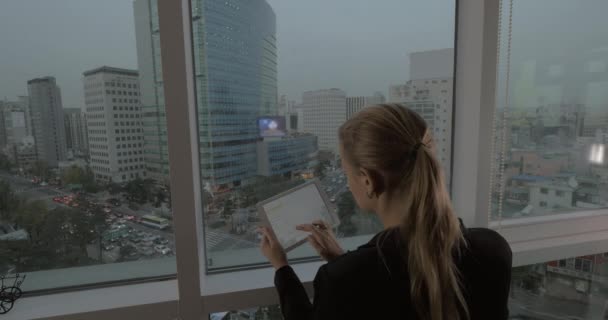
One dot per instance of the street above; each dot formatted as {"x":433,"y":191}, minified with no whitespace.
{"x":530,"y":306}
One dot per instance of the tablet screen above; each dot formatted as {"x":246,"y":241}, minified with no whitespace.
{"x":303,"y":205}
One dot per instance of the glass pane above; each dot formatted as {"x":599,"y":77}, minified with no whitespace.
{"x":255,"y":60}
{"x":573,"y":288}
{"x":258,"y":313}
{"x":552,"y":109}
{"x":84,"y":173}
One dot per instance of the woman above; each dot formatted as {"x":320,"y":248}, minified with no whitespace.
{"x":424,"y":264}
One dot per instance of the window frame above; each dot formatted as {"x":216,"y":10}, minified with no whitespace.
{"x":533,"y":239}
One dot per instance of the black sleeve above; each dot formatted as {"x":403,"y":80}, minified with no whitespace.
{"x":295,"y":303}
{"x":490,"y":276}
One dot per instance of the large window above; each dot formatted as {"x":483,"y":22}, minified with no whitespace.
{"x":551,"y":109}
{"x":571,"y":288}
{"x":79,"y":205}
{"x":254,"y":59}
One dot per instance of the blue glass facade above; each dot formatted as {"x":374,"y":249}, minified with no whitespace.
{"x":236,"y":80}
{"x":287,"y":155}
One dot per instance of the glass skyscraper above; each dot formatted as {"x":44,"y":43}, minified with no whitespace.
{"x":236,"y":82}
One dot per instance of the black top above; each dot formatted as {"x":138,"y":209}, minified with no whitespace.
{"x":361,"y":285}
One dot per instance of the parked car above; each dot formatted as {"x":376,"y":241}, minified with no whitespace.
{"x":166,"y":251}
{"x":148,"y":252}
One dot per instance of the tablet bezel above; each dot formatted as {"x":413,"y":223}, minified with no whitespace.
{"x":330,"y":208}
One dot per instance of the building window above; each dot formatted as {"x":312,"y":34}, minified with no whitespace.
{"x":544,"y":190}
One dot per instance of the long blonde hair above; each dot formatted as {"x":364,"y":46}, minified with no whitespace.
{"x":395,"y":146}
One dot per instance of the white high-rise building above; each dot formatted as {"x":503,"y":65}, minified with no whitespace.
{"x":356,"y":104}
{"x":114,"y":121}
{"x":47,"y":120}
{"x":429,"y":93}
{"x":76,"y":131}
{"x":432,"y":64}
{"x":323,"y":112}
{"x":286,"y":106}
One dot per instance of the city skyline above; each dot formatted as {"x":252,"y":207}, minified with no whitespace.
{"x":295,"y":36}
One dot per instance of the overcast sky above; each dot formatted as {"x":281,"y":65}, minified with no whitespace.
{"x":360,"y":46}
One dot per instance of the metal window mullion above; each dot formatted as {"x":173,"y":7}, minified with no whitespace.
{"x":475,"y":87}
{"x":180,"y":103}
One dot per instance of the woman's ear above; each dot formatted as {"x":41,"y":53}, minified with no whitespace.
{"x":367,"y":181}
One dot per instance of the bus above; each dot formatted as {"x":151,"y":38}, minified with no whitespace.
{"x":155,"y":222}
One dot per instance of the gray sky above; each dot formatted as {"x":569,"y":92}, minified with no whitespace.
{"x":349,"y":44}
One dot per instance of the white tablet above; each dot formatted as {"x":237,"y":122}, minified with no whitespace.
{"x":300,"y":205}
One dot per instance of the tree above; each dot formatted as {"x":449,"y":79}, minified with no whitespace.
{"x":228,"y":208}
{"x":114,"y":188}
{"x":346,"y":209}
{"x":84,"y":177}
{"x":41,"y":169}
{"x":139,"y":190}
{"x":9,"y":202}
{"x":159,"y":198}
{"x":5,"y":162}
{"x":320,"y":168}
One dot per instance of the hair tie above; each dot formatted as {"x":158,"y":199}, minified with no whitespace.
{"x":414,"y":151}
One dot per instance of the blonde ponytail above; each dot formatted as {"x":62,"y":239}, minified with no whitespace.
{"x":395,"y":144}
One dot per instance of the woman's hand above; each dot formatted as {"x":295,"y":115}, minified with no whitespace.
{"x":271,"y":248}
{"x":322,"y":239}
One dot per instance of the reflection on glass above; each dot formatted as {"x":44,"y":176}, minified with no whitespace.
{"x":574,"y":288}
{"x":255,"y":143}
{"x":80,"y":177}
{"x":552,"y":115}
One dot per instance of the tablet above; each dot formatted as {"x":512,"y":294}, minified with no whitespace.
{"x":300,"y":205}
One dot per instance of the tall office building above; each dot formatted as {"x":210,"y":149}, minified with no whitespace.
{"x":356,"y":104}
{"x":47,"y":120}
{"x":76,"y":131}
{"x":236,"y":82}
{"x":323,"y":112}
{"x":114,"y":124}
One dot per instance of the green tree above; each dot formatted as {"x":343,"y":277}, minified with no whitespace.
{"x":320,"y":168}
{"x":41,"y":169}
{"x":5,"y":162}
{"x":228,"y":208}
{"x":139,"y":190}
{"x":114,"y":188}
{"x":346,"y":210}
{"x":9,"y":202}
{"x":84,"y":177}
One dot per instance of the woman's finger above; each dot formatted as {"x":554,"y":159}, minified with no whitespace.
{"x":316,"y":234}
{"x":321,"y":223}
{"x":315,"y":244}
{"x":305,"y":227}
{"x":267,"y":234}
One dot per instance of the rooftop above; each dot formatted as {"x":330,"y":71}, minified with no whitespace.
{"x":112,"y":70}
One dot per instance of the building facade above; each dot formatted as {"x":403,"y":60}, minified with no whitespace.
{"x":324,"y":111}
{"x":76,"y":132}
{"x":288,"y":155}
{"x":236,"y":82}
{"x":432,"y":99}
{"x":47,"y":120}
{"x":114,"y":123}
{"x":356,"y":104}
